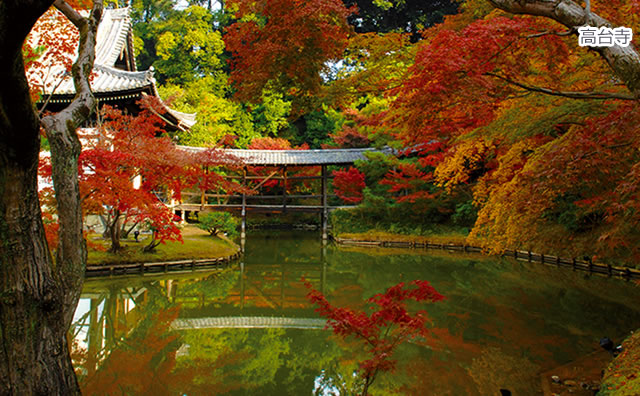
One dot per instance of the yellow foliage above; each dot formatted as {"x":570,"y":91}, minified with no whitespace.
{"x":463,"y":162}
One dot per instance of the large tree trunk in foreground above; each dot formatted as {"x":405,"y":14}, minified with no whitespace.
{"x":37,"y":297}
{"x":624,"y":61}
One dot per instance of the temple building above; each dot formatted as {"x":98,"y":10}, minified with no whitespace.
{"x":115,"y":80}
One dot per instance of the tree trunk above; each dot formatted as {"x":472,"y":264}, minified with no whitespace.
{"x":37,"y":297}
{"x":34,"y":357}
{"x":114,"y":232}
{"x":152,"y":245}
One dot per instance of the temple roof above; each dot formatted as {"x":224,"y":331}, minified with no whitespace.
{"x":109,"y":79}
{"x":113,"y":35}
{"x":114,"y":74}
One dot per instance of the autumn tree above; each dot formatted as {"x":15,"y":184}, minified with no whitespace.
{"x":39,"y":297}
{"x":348,"y":184}
{"x":382,"y":328}
{"x":524,"y":131}
{"x":129,"y":168}
{"x":283,"y":45}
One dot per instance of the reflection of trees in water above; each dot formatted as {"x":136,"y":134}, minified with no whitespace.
{"x":533,"y":315}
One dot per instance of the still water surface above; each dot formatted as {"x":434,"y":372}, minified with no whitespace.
{"x":249,"y":329}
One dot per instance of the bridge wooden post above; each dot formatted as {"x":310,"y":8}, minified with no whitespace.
{"x":284,"y":189}
{"x":243,"y":225}
{"x":325,"y":212}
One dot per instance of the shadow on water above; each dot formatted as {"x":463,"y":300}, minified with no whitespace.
{"x":250,"y":327}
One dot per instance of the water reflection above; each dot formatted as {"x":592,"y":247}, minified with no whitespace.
{"x":250,"y":326}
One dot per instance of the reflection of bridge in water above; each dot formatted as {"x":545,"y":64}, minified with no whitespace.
{"x":250,"y":295}
{"x":246,"y":296}
{"x":248,"y":322}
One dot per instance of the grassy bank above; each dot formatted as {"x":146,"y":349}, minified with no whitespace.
{"x":440,"y":235}
{"x":198,"y":244}
{"x":622,"y":377}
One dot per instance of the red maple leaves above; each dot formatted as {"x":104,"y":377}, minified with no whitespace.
{"x":389,"y":324}
{"x":348,"y":184}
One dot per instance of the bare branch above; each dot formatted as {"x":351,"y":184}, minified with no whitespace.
{"x":53,"y":91}
{"x":71,"y":14}
{"x":567,"y":94}
{"x":548,"y":33}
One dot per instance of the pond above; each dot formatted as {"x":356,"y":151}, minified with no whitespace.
{"x":249,"y":328}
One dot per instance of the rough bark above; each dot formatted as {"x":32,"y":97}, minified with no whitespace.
{"x":37,"y":296}
{"x":624,"y":61}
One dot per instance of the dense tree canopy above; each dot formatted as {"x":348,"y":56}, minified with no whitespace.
{"x":502,"y":123}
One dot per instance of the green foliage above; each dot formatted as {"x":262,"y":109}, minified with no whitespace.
{"x":317,"y":126}
{"x":182,"y":45}
{"x":271,"y":115}
{"x":399,"y":15}
{"x":465,"y":214}
{"x":218,"y":222}
{"x":375,"y":168}
{"x":569,"y":215}
{"x":216,"y":115}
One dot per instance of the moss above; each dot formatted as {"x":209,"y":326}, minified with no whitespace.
{"x":622,"y":377}
{"x":197,"y":244}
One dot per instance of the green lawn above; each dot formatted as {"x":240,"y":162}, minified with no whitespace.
{"x":198,"y":244}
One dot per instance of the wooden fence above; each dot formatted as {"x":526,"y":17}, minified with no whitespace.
{"x":159,"y":267}
{"x":521,"y":255}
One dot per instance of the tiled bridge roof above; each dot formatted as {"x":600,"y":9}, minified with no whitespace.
{"x":298,"y":157}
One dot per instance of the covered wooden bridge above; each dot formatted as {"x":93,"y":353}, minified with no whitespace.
{"x":286,"y":167}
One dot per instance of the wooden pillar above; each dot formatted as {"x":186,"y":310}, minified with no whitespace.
{"x":323,"y":276}
{"x":325,"y":211}
{"x":284,"y":189}
{"x":95,"y":336}
{"x":242,"y":285}
{"x":243,"y":226}
{"x":282,"y":285}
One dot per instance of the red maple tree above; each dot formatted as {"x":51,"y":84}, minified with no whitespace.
{"x":348,"y":184}
{"x":284,"y":44}
{"x":129,"y":170}
{"x":389,"y":324}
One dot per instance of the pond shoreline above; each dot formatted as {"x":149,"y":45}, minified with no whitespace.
{"x":159,"y":267}
{"x":521,"y":255}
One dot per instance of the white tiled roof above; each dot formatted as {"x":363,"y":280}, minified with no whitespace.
{"x":297,"y":157}
{"x":186,"y":119}
{"x":112,"y":35}
{"x":109,"y":79}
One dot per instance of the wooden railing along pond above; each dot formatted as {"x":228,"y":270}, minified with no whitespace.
{"x":159,"y":267}
{"x":522,"y":255}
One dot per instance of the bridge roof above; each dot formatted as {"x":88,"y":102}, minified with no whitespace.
{"x":248,"y":322}
{"x":299,"y":157}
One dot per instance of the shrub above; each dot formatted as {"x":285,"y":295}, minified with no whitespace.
{"x":218,"y":222}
